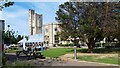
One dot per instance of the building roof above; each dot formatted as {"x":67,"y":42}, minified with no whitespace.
{"x":23,"y":40}
{"x":33,"y":38}
{"x":36,"y":38}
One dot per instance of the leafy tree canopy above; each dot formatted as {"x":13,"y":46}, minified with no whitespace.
{"x":96,"y":20}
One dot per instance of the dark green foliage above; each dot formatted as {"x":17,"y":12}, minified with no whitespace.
{"x":96,"y":21}
{"x":87,"y":25}
{"x":19,"y":37}
{"x":65,"y":45}
{"x":7,"y":4}
{"x":27,"y":37}
{"x":10,"y":37}
{"x":101,"y":50}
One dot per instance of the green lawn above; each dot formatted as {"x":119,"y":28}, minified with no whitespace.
{"x":110,"y":60}
{"x":56,"y":52}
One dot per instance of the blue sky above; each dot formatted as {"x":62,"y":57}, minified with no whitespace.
{"x":17,"y":15}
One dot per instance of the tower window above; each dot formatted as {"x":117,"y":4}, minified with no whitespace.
{"x":46,"y":30}
{"x":56,"y":29}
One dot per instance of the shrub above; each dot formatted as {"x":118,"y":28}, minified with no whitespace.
{"x":65,"y":45}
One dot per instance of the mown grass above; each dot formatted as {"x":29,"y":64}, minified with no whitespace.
{"x":110,"y":60}
{"x":56,"y":52}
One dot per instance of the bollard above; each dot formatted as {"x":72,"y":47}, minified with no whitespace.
{"x":75,"y":53}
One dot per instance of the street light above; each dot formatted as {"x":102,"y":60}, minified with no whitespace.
{"x":76,"y":19}
{"x":8,"y":33}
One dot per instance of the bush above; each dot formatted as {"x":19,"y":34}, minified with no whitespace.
{"x":65,"y":45}
{"x":112,"y":45}
{"x":105,"y":44}
{"x":118,"y":44}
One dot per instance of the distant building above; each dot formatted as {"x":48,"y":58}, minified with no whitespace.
{"x":50,"y":34}
{"x":35,"y":22}
{"x":51,"y":37}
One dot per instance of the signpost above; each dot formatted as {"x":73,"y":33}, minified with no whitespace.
{"x":75,"y":44}
{"x":1,"y":40}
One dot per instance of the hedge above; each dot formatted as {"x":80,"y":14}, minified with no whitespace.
{"x":64,"y":45}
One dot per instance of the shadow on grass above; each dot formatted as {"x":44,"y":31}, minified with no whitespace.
{"x":97,"y":50}
{"x":106,"y":50}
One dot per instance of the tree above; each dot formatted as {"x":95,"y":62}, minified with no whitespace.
{"x":65,"y":16}
{"x":94,"y":19}
{"x":115,"y":20}
{"x":19,"y":37}
{"x":88,"y":26}
{"x":110,"y":14}
{"x":6,"y":4}
{"x":27,"y":37}
{"x":10,"y":37}
{"x":92,"y":29}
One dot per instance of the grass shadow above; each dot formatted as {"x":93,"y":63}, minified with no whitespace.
{"x":97,"y":50}
{"x":100,"y":50}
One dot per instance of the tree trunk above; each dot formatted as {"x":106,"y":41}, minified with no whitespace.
{"x":90,"y":44}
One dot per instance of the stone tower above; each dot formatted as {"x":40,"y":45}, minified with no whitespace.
{"x":35,"y":22}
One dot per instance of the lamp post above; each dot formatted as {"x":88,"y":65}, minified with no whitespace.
{"x":8,"y":33}
{"x":75,"y":39}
